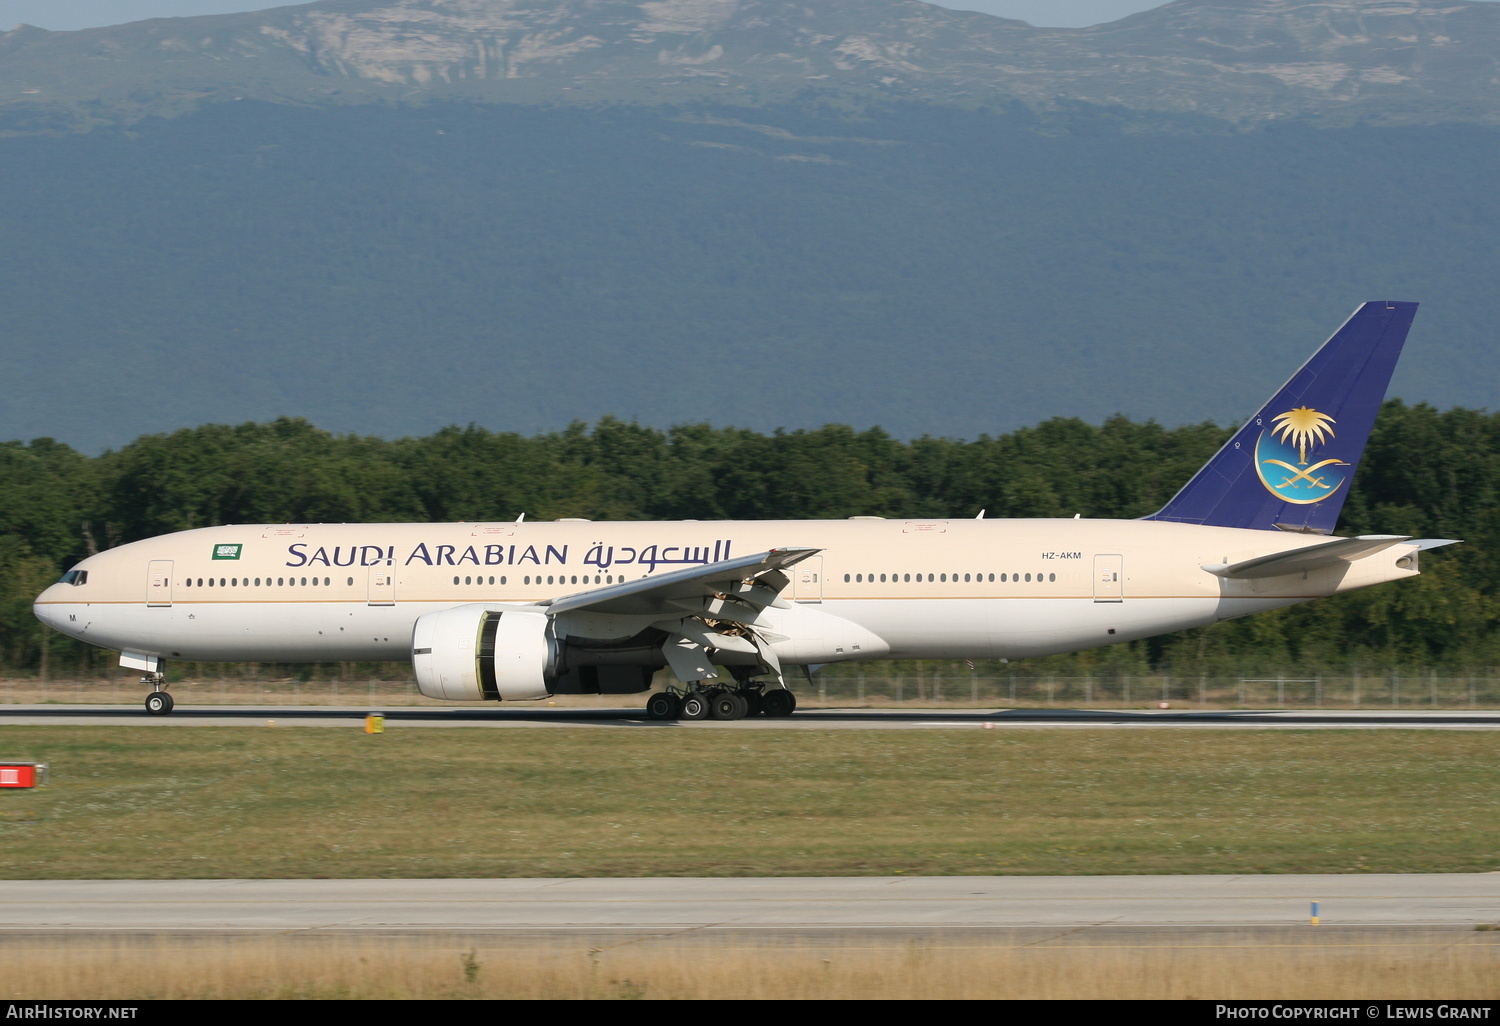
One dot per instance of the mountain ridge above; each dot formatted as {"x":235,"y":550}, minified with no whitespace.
{"x":388,"y":255}
{"x":1244,"y":62}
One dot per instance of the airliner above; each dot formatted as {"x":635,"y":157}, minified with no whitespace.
{"x":520,"y":611}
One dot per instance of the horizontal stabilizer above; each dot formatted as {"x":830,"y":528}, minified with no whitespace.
{"x":1310,"y":557}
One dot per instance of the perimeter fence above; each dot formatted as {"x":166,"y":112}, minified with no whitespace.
{"x":946,"y":684}
{"x":926,"y":684}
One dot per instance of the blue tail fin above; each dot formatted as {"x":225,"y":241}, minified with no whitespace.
{"x":1289,"y":467}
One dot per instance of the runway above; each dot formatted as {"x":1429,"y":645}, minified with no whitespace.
{"x":526,"y":715}
{"x":798,"y":905}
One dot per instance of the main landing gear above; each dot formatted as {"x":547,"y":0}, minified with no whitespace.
{"x":697,"y":702}
{"x":158,"y":703}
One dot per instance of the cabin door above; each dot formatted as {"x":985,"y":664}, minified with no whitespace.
{"x":807,"y":580}
{"x":159,"y":583}
{"x":382,"y":586}
{"x":1109,"y":578}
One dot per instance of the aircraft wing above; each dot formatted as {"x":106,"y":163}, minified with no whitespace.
{"x":754,"y":581}
{"x":1316,"y":557}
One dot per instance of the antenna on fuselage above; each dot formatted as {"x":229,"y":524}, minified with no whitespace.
{"x":981,"y":515}
{"x":521,"y":517}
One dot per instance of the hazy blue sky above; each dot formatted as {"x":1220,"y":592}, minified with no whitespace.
{"x":62,"y":15}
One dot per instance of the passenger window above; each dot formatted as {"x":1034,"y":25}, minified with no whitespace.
{"x":502,"y":580}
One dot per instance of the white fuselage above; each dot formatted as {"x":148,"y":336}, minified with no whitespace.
{"x":926,"y":588}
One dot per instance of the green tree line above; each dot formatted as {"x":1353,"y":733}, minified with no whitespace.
{"x":1426,"y":473}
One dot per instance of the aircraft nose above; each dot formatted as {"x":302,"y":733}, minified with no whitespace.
{"x":42,"y":608}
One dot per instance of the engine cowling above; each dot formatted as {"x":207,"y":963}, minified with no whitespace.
{"x":471,"y":653}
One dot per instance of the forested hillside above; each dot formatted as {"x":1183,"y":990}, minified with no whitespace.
{"x":1426,"y":473}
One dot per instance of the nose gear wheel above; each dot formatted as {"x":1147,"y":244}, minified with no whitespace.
{"x":158,"y":703}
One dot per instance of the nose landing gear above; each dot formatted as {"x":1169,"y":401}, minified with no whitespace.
{"x":158,"y":703}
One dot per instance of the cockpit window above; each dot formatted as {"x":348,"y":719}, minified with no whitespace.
{"x":74,"y":577}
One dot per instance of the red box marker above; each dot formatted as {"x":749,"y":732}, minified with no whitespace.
{"x":18,"y":774}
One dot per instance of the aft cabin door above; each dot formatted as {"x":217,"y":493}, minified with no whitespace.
{"x":159,"y":583}
{"x":1109,"y":578}
{"x":382,"y":586}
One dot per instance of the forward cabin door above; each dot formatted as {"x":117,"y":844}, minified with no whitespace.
{"x":159,"y":583}
{"x":382,"y":586}
{"x":807,"y":580}
{"x":1109,"y":578}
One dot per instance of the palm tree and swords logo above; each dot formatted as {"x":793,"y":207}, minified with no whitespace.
{"x":1281,"y":456}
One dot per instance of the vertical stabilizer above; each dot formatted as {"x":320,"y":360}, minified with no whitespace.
{"x":1290,"y":466}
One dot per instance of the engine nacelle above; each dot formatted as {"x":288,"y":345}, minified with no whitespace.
{"x":470,"y":653}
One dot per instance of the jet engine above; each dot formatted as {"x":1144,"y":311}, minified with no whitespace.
{"x":469,"y":653}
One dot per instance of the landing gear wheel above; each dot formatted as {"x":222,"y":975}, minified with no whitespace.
{"x":779,"y":702}
{"x":662,"y":706}
{"x":728,"y":706}
{"x":694,"y":707}
{"x":158,"y":703}
{"x":753,"y":703}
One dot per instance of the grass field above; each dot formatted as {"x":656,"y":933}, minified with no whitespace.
{"x":209,"y":802}
{"x":1284,"y":965}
